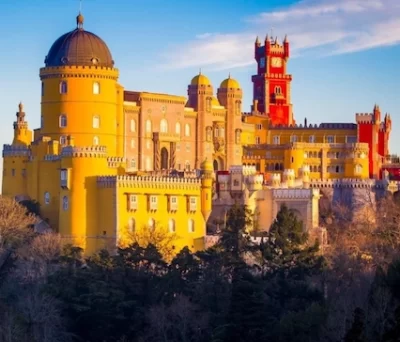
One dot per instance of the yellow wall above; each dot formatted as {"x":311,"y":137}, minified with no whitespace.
{"x":80,"y":105}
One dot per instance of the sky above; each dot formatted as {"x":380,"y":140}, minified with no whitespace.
{"x":344,"y":58}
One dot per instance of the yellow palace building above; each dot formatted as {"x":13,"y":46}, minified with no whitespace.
{"x":98,"y":163}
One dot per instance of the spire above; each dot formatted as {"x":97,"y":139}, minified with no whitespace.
{"x":285,"y":40}
{"x":229,"y":77}
{"x":80,"y":18}
{"x":266,"y":37}
{"x":199,"y":71}
{"x":257,"y":41}
{"x":276,"y":40}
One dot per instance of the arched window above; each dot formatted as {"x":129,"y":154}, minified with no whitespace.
{"x":96,"y":121}
{"x":216,"y":132}
{"x":208,"y":104}
{"x":131,"y":225}
{"x":133,"y":163}
{"x":63,"y":87}
{"x":63,"y":121}
{"x":237,"y":137}
{"x":47,"y":197}
{"x":171,"y":225}
{"x":63,"y":140}
{"x":191,"y":226}
{"x":222,"y":132}
{"x":65,"y":203}
{"x":133,"y":143}
{"x":148,"y":126}
{"x":163,"y":126}
{"x":238,"y":109}
{"x":178,"y":128}
{"x":96,"y":88}
{"x":95,"y":141}
{"x":208,"y":133}
{"x":133,"y":125}
{"x":151,"y":224}
{"x":187,"y":166}
{"x":358,"y":169}
{"x":278,"y":90}
{"x":187,"y":130}
{"x":148,"y":164}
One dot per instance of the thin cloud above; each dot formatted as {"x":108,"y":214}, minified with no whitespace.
{"x":332,"y":26}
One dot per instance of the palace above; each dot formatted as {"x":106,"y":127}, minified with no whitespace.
{"x":107,"y":162}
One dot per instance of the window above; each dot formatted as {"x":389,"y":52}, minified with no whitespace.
{"x":171,"y":225}
{"x":63,"y":140}
{"x":208,"y":104}
{"x":163,"y":126}
{"x":191,"y":226}
{"x":268,"y":155}
{"x":178,"y":128}
{"x":42,"y":88}
{"x":63,"y":87}
{"x":153,"y":202}
{"x":238,"y":108}
{"x":259,"y":126}
{"x":187,"y":147}
{"x":133,"y":163}
{"x":148,"y":164}
{"x":278,"y":90}
{"x":192,"y":203}
{"x":63,"y":120}
{"x":222,"y":132}
{"x":64,"y":177}
{"x":95,"y":141}
{"x":23,"y":172}
{"x":276,"y":140}
{"x":216,"y":132}
{"x":96,"y":121}
{"x":148,"y":126}
{"x":187,"y":130}
{"x":13,"y":172}
{"x":133,"y":144}
{"x":258,"y":140}
{"x":293,"y":138}
{"x":358,"y":169}
{"x":133,"y":125}
{"x":47,"y":197}
{"x":311,"y":139}
{"x":131,"y":225}
{"x":187,"y":166}
{"x":351,"y":139}
{"x":173,"y":203}
{"x":133,"y":202}
{"x":96,"y":88}
{"x":330,"y":139}
{"x":151,"y":224}
{"x":65,"y":203}
{"x":237,"y":136}
{"x":41,"y":122}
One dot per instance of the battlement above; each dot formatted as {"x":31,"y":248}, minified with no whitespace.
{"x":146,"y":182}
{"x":52,"y":157}
{"x":294,"y":193}
{"x":84,"y":151}
{"x":345,"y":183}
{"x":243,"y":169}
{"x":322,"y":126}
{"x":115,"y":161}
{"x":305,"y":145}
{"x":16,"y":151}
{"x":255,"y":179}
{"x":364,"y":118}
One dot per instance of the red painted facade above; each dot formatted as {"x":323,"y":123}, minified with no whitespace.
{"x":271,"y":84}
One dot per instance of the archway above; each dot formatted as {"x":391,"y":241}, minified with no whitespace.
{"x":218,"y":164}
{"x":215,"y":165}
{"x":164,"y":159}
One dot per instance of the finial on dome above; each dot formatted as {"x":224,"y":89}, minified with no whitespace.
{"x":199,"y":71}
{"x":229,"y":76}
{"x":79,"y":21}
{"x":21,"y":107}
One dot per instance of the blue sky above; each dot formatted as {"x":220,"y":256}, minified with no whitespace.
{"x":345,"y":52}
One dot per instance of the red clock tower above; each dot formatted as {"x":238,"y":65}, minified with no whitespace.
{"x":271,"y":93}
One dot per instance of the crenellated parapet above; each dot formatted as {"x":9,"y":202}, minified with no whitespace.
{"x":114,"y":162}
{"x":52,"y":157}
{"x":283,"y":194}
{"x":364,"y":118}
{"x":325,"y":126}
{"x":16,"y":151}
{"x":344,"y":183}
{"x":146,"y":182}
{"x":84,"y":151}
{"x":243,"y":169}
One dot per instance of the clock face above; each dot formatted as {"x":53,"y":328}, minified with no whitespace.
{"x":262,"y":62}
{"x":276,"y":62}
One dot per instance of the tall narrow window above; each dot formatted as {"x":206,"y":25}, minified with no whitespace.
{"x":191,"y":226}
{"x":178,"y":128}
{"x":96,"y":121}
{"x":42,"y":88}
{"x":41,"y":121}
{"x":65,"y":203}
{"x":133,"y":125}
{"x":171,"y":225}
{"x":63,"y":120}
{"x":96,"y":88}
{"x":63,"y":140}
{"x":187,"y":130}
{"x":63,"y":87}
{"x":95,"y":141}
{"x":238,"y":108}
{"x":148,"y":126}
{"x":163,"y":126}
{"x":131,"y":225}
{"x":208,"y":104}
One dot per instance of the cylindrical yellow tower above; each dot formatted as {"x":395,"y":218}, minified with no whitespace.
{"x":79,"y":91}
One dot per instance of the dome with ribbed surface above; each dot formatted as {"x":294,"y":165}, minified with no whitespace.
{"x":230,"y":83}
{"x":79,"y":48}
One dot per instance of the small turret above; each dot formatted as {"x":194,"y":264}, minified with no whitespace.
{"x":286,"y":47}
{"x":22,"y":135}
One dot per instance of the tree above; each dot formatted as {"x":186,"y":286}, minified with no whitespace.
{"x":32,"y":206}
{"x":357,"y":330}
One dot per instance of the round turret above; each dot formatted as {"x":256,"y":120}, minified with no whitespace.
{"x":207,"y":165}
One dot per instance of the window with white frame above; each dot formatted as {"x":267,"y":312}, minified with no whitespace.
{"x":191,"y":227}
{"x":63,"y":121}
{"x":133,"y":125}
{"x":258,"y":140}
{"x":133,"y":202}
{"x":173,"y":203}
{"x":163,"y":126}
{"x":358,"y":169}
{"x":330,"y":139}
{"x":47,"y":197}
{"x":96,"y":88}
{"x":153,"y":202}
{"x":311,"y":139}
{"x":187,"y":130}
{"x":276,"y":140}
{"x":171,"y":225}
{"x":63,"y":87}
{"x":96,"y":121}
{"x":64,"y":177}
{"x":95,"y":141}
{"x":178,"y":128}
{"x":63,"y":140}
{"x":65,"y":203}
{"x":192,"y":203}
{"x":148,"y":126}
{"x":293,"y":138}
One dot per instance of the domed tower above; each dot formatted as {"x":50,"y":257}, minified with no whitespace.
{"x":200,"y":97}
{"x":230,"y":96}
{"x":79,"y":91}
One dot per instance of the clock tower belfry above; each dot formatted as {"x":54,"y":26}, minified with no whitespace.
{"x":271,"y":84}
